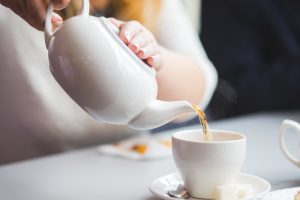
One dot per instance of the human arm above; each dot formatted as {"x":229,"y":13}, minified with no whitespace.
{"x":34,"y":11}
{"x":185,"y":73}
{"x":188,"y":73}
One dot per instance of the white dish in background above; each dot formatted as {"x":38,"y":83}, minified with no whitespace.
{"x":160,"y":186}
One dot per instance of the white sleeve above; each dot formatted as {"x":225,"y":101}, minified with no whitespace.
{"x":34,"y":109}
{"x":175,"y":32}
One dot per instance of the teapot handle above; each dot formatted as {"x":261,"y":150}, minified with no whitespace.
{"x":285,"y":125}
{"x":48,"y":25}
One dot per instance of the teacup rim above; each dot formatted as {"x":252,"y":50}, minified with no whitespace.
{"x":243,"y":137}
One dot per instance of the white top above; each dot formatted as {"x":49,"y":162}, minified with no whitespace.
{"x":36,"y":114}
{"x":176,"y":32}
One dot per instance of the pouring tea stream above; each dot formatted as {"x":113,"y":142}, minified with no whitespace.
{"x":113,"y":86}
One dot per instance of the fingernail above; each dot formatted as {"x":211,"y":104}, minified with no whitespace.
{"x":142,"y":52}
{"x":55,"y":17}
{"x":150,"y":60}
{"x":137,"y":43}
{"x":134,"y":48}
{"x":56,"y":21}
{"x":127,"y":36}
{"x":155,"y":61}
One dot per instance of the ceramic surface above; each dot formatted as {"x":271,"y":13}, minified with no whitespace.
{"x":218,"y":161}
{"x":288,"y":124}
{"x":103,"y":76}
{"x":162,"y":185}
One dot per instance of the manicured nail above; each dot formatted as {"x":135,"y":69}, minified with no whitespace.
{"x":150,"y":60}
{"x":134,"y":48}
{"x":142,"y":52}
{"x":137,"y":42}
{"x":55,"y":17}
{"x":155,"y":61}
{"x":56,"y":20}
{"x":127,"y":36}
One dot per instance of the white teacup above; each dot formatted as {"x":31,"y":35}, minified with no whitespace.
{"x":286,"y":124}
{"x":205,"y":165}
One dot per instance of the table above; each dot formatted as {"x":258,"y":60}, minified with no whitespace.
{"x":87,"y":175}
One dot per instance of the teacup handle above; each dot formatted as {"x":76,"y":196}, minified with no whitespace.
{"x":85,"y":8}
{"x":285,"y":125}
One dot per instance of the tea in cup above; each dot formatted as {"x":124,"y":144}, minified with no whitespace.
{"x":205,"y":165}
{"x":288,"y":124}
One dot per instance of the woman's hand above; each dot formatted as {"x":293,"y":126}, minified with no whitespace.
{"x":141,"y":41}
{"x":34,"y":11}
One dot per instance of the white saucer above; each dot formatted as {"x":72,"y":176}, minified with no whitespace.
{"x":160,"y":186}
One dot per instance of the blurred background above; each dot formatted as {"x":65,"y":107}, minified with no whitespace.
{"x":254,"y":46}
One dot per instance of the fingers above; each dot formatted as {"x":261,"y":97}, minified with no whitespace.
{"x":129,"y":30}
{"x":56,"y":20}
{"x":116,"y":22}
{"x":155,"y":61}
{"x":147,"y":51}
{"x":60,"y":4}
{"x":140,"y":41}
{"x":36,"y":13}
{"x":144,"y":45}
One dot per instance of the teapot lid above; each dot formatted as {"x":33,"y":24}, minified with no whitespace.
{"x":110,"y":28}
{"x":113,"y":31}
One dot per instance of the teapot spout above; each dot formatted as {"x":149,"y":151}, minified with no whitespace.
{"x":159,"y":113}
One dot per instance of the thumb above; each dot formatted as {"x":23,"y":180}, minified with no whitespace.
{"x":60,"y":4}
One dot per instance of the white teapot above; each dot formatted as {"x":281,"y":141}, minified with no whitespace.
{"x":101,"y":74}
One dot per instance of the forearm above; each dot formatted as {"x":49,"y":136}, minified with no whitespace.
{"x":180,"y":78}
